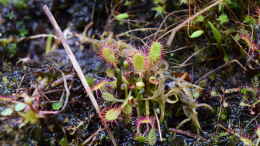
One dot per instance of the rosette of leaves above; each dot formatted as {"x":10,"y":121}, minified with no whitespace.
{"x":143,"y":77}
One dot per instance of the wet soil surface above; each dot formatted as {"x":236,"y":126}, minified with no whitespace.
{"x":79,"y":120}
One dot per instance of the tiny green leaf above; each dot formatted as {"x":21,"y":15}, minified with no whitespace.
{"x":12,"y":49}
{"x":223,"y":18}
{"x":5,"y":80}
{"x":140,"y":139}
{"x":196,"y":34}
{"x":216,"y":33}
{"x":122,"y":16}
{"x":90,"y":80}
{"x":199,"y":19}
{"x":249,"y":20}
{"x":64,"y":142}
{"x":48,"y":46}
{"x":159,"y":10}
{"x":7,"y":112}
{"x":56,"y":105}
{"x":19,"y":107}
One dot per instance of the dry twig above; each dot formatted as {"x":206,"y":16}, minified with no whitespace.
{"x":186,"y":133}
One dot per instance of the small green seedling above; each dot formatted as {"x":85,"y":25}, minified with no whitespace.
{"x":196,"y":34}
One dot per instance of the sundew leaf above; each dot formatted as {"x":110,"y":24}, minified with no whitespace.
{"x":155,"y":52}
{"x":216,"y":33}
{"x":122,"y":16}
{"x":138,"y":62}
{"x":112,"y":114}
{"x":151,"y":137}
{"x":109,"y":55}
{"x":246,"y":141}
{"x":109,"y":97}
{"x":196,"y":34}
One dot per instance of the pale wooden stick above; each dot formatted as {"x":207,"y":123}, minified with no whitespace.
{"x":75,"y":65}
{"x":187,"y":133}
{"x":71,"y":57}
